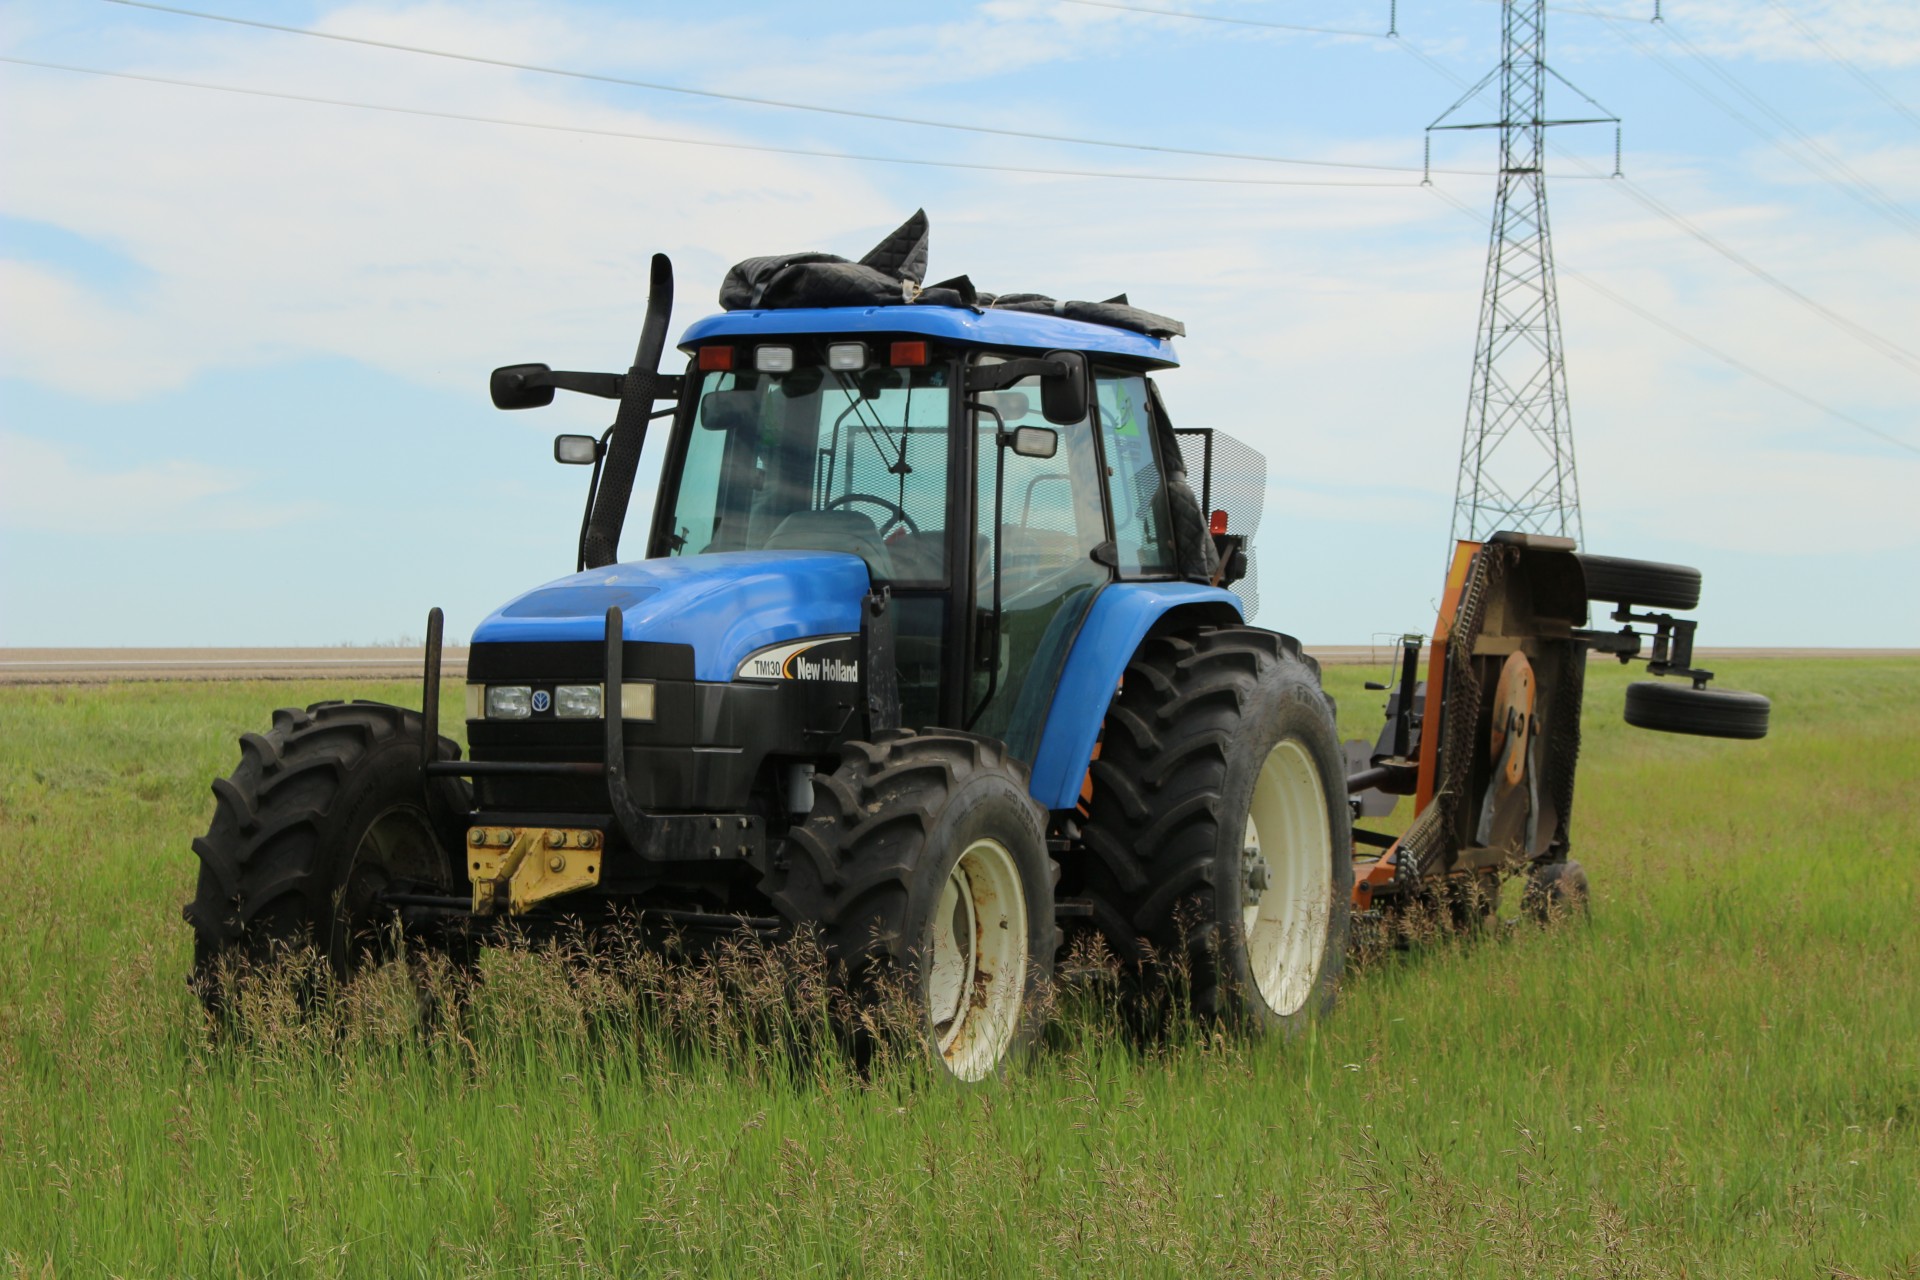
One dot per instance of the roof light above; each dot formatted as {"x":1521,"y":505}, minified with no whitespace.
{"x":907,"y":353}
{"x":716,"y":359}
{"x":773,"y":359}
{"x":1218,"y":525}
{"x":845,"y":357}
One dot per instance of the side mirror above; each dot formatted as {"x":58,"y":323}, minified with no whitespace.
{"x":1034,"y":442}
{"x":578,"y":451}
{"x":1063,"y":397}
{"x":510,"y":387}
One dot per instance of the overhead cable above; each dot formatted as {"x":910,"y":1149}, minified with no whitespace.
{"x":790,"y":106}
{"x":661,"y":87}
{"x":1859,"y":332}
{"x":1847,"y":64}
{"x":1220,"y":17}
{"x":1701,"y":344}
{"x":431,"y":113}
{"x":1807,"y":151}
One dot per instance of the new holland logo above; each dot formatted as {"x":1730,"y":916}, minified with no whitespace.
{"x":542,"y":700}
{"x":794,"y":662}
{"x":805,"y":668}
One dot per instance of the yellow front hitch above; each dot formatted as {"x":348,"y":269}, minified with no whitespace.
{"x":531,"y":864}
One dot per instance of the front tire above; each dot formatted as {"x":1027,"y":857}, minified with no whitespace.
{"x":1218,"y":830}
{"x":325,"y":813}
{"x":923,"y":868}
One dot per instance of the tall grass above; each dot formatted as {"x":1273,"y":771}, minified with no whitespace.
{"x":1717,"y":1074}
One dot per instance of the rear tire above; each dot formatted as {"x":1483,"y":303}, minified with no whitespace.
{"x":1647,"y":583}
{"x":1708,"y":713}
{"x":325,"y":811}
{"x":1218,"y":835}
{"x":923,"y":867}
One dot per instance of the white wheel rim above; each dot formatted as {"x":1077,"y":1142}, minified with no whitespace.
{"x":979,"y":960}
{"x":1286,"y":924}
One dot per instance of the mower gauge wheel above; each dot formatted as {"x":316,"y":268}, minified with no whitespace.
{"x":1646,"y":583}
{"x":1708,"y":713}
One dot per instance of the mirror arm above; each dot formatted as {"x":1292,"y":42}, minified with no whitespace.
{"x":605,"y":385}
{"x":593,"y":489}
{"x":998,"y":377}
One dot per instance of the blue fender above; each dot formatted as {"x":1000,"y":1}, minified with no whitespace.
{"x":725,"y":604}
{"x":1120,"y":618}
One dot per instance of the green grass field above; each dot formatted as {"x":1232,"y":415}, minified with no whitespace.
{"x":1718,"y":1075}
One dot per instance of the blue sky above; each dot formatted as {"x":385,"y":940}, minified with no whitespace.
{"x":244,"y":341}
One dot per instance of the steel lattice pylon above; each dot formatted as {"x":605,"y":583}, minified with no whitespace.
{"x":1516,"y":452}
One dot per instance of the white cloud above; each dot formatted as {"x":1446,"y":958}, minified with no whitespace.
{"x":1876,"y":33}
{"x":43,"y":489}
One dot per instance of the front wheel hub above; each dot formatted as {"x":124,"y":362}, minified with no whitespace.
{"x":979,"y":960}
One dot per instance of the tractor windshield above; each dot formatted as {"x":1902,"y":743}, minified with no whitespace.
{"x":820,"y":459}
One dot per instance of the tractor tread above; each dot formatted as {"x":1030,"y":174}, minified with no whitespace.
{"x":264,"y":858}
{"x":1149,"y":857}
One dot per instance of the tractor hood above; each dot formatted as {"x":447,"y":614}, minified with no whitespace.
{"x":725,"y":605}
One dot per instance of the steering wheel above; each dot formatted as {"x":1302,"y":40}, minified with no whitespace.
{"x":896,"y":514}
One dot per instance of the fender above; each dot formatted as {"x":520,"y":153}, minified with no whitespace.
{"x":1116,"y":623}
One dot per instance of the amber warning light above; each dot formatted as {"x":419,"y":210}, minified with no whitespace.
{"x":1218,"y":525}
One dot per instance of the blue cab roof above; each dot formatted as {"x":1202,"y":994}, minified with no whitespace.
{"x":955,"y":324}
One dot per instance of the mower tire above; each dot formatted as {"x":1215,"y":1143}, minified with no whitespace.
{"x":923,"y":870}
{"x":324,"y":812}
{"x":1646,"y":583}
{"x":1555,"y":891}
{"x":1218,"y":834}
{"x":1709,"y":713}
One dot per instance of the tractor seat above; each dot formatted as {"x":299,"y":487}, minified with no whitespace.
{"x":848,"y":531}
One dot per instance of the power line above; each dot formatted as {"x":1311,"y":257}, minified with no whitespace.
{"x":839,"y":111}
{"x":1818,"y":158}
{"x":1702,"y":345}
{"x":1217,"y":17}
{"x":702,"y":142}
{"x":1849,"y":66}
{"x":660,"y":87}
{"x":1860,"y":333}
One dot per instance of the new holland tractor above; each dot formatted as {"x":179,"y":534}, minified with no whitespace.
{"x":933,"y":650}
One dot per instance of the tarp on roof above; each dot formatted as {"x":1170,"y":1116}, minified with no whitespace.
{"x":891,"y":275}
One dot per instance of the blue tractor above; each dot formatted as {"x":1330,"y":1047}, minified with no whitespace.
{"x":931,"y":651}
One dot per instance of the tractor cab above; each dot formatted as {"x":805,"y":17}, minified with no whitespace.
{"x":990,"y":478}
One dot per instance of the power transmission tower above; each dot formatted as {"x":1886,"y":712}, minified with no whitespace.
{"x":1516,"y":453}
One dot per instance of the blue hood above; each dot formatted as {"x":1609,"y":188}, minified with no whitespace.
{"x":726,"y":604}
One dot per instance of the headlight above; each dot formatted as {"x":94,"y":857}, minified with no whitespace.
{"x":509,"y":701}
{"x":577,"y":701}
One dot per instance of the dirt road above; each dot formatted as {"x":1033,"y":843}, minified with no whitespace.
{"x":104,"y":666}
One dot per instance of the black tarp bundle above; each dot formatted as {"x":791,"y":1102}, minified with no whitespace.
{"x":891,"y":275}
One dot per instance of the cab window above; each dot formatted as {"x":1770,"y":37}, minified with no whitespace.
{"x":1134,"y":483}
